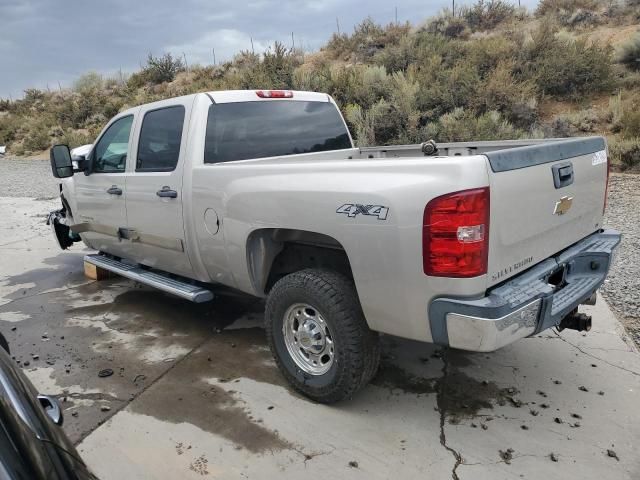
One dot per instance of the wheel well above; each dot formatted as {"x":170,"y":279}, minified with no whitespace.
{"x":275,"y":253}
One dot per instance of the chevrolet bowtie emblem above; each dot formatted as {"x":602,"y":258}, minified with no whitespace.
{"x":563,"y":205}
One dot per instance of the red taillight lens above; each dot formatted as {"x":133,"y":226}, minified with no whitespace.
{"x":274,"y":93}
{"x":455,"y":234}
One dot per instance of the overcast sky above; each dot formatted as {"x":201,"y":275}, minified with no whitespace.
{"x":43,"y":42}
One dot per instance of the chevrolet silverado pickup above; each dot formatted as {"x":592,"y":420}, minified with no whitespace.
{"x":467,"y":245}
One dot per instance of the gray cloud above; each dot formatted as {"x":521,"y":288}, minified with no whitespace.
{"x":46,"y":42}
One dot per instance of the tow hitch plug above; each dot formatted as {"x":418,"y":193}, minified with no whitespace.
{"x":576,"y":321}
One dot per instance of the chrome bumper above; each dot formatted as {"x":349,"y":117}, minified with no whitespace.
{"x":486,"y":335}
{"x":526,"y":304}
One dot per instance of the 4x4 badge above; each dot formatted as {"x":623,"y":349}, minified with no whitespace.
{"x":353,"y":209}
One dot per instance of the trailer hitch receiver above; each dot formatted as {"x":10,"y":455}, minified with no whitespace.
{"x":576,"y":321}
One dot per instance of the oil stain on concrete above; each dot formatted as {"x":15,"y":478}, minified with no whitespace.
{"x":459,"y":395}
{"x":200,"y":391}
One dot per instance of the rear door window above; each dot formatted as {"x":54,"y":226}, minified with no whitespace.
{"x":160,"y":138}
{"x":245,"y":130}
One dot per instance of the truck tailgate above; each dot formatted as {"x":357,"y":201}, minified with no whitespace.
{"x":544,"y":198}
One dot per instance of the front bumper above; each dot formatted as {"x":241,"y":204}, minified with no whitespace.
{"x":526,"y":304}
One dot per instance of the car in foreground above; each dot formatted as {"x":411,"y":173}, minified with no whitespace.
{"x":33,"y":445}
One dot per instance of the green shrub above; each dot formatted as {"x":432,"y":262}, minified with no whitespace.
{"x":513,"y":98}
{"x":445,"y":89}
{"x":398,"y":57}
{"x":463,"y":126}
{"x":371,"y":127}
{"x":367,"y":39}
{"x":630,"y":54}
{"x":574,"y":124}
{"x":76,"y":138}
{"x":629,"y":124}
{"x":564,"y":67}
{"x":448,"y":26}
{"x":158,"y":70}
{"x":89,"y":83}
{"x":278,"y":65}
{"x":487,"y":14}
{"x":624,"y":114}
{"x":486,"y":53}
{"x":555,"y":7}
{"x":9,"y":128}
{"x":37,"y":139}
{"x":625,"y":153}
{"x":395,"y":121}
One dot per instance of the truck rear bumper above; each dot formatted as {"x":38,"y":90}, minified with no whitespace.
{"x":529,"y":303}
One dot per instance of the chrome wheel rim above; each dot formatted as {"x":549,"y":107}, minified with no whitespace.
{"x":308,"y":339}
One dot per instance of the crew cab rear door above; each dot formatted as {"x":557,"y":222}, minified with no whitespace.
{"x":154,"y":187}
{"x":544,"y":198}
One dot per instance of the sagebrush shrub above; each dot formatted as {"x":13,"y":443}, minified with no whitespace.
{"x":564,"y":67}
{"x":625,"y":152}
{"x":487,"y":14}
{"x":630,"y":54}
{"x":462,"y":126}
{"x":554,"y":7}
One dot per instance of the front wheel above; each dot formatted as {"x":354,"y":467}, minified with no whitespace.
{"x":318,"y":335}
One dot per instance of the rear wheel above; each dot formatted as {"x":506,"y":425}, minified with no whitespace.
{"x":318,"y":335}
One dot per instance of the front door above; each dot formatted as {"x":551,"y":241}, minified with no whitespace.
{"x":101,"y":195}
{"x":154,"y":188}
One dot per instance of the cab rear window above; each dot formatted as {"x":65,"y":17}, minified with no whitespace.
{"x":245,"y":130}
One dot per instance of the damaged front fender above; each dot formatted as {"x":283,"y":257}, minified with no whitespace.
{"x":57,"y":220}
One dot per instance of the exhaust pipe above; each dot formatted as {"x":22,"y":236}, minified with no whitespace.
{"x":576,"y":321}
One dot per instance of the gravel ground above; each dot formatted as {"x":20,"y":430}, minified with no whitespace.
{"x":32,"y":178}
{"x":27,"y":178}
{"x":622,"y":287}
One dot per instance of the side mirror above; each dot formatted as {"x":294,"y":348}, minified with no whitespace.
{"x":51,"y":408}
{"x":61,"y":164}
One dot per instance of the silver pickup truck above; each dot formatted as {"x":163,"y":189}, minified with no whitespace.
{"x":468,"y":245}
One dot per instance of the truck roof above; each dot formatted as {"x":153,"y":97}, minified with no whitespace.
{"x":230,"y":96}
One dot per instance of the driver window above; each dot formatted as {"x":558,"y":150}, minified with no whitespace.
{"x":111,"y":150}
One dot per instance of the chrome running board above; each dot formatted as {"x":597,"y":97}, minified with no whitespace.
{"x":162,"y":282}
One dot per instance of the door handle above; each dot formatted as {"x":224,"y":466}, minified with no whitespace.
{"x":166,"y":192}
{"x":562,"y":174}
{"x":114,"y":190}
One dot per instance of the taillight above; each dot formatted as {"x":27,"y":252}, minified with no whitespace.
{"x":274,"y":93}
{"x":455,"y":234}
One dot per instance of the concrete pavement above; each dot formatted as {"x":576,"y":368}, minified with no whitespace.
{"x":195,"y":394}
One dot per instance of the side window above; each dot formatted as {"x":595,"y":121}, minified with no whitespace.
{"x":110,"y":154}
{"x":160,"y":136}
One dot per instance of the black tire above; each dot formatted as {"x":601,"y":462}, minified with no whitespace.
{"x":357,"y":351}
{"x":4,"y":344}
